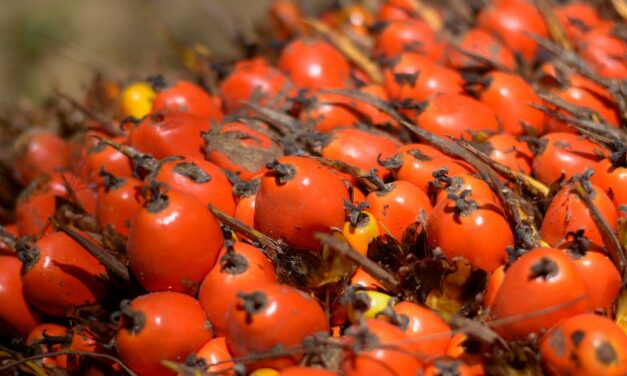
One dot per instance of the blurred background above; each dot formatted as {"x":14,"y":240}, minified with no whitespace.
{"x":61,"y":44}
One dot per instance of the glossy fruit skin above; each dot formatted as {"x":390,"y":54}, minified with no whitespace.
{"x":79,"y":339}
{"x":327,"y":112}
{"x":420,"y":161}
{"x":431,"y":333}
{"x":50,"y":285}
{"x":510,"y":20}
{"x":359,"y":147}
{"x":162,"y":134}
{"x":494,"y":284}
{"x":360,"y":236}
{"x":463,"y":234}
{"x":371,"y":360}
{"x":613,"y":180}
{"x":118,"y":204}
{"x":568,"y":213}
{"x":585,"y":344}
{"x":483,"y":44}
{"x":299,"y":316}
{"x":541,"y":279}
{"x":377,"y":303}
{"x":565,"y":152}
{"x":457,"y":116}
{"x":253,"y":80}
{"x":505,"y":148}
{"x":101,"y":155}
{"x":174,"y":246}
{"x":314,"y":197}
{"x":17,"y":317}
{"x":580,"y":94}
{"x":200,"y":179}
{"x":36,"y":204}
{"x":314,"y":64}
{"x":510,"y":97}
{"x":408,"y":36}
{"x":39,"y":153}
{"x":247,"y":267}
{"x":213,"y":352}
{"x":173,"y":320}
{"x":187,"y":97}
{"x":370,"y":112}
{"x":601,"y":277}
{"x":365,"y":280}
{"x":398,"y":207}
{"x":245,"y":210}
{"x":37,"y":334}
{"x":240,"y":149}
{"x":603,"y":51}
{"x":414,"y":78}
{"x":136,"y":100}
{"x":577,"y":18}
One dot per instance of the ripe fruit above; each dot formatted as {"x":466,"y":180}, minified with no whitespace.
{"x":431,"y":334}
{"x":313,"y":195}
{"x":564,"y":153}
{"x":413,"y":78}
{"x":163,"y":134}
{"x":39,"y":153}
{"x":414,"y":36}
{"x":271,"y":315}
{"x":240,"y":149}
{"x":314,"y":64}
{"x":187,"y":97}
{"x":568,"y":213}
{"x":58,"y":274}
{"x":373,"y":350}
{"x":510,"y":21}
{"x":198,"y":178}
{"x":416,"y":163}
{"x":484,"y":45}
{"x":17,"y":317}
{"x":174,"y":321}
{"x":253,"y":80}
{"x":460,"y":224}
{"x":213,"y":352}
{"x":397,"y":205}
{"x":540,"y":288}
{"x":585,"y":344}
{"x":327,"y":112}
{"x":38,"y":202}
{"x":511,"y":99}
{"x":240,"y":266}
{"x":456,"y":116}
{"x":359,"y":147}
{"x":173,"y":242}
{"x":119,"y":199}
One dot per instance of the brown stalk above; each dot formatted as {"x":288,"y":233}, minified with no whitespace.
{"x":384,"y":277}
{"x":555,"y":28}
{"x":271,"y":248}
{"x":115,"y":267}
{"x":348,"y":48}
{"x":609,"y":238}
